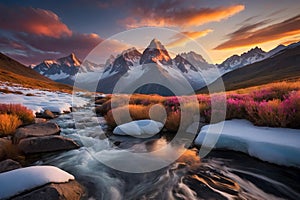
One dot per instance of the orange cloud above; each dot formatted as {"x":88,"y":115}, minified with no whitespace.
{"x":291,"y":41}
{"x":33,"y":21}
{"x":184,"y":37}
{"x":179,"y":17}
{"x":254,"y":35}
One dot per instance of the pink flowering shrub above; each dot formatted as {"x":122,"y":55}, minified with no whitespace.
{"x":276,"y":112}
{"x":275,"y":104}
{"x":291,"y":107}
{"x":235,"y":108}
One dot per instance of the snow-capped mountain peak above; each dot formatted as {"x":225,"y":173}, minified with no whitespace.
{"x":156,"y":44}
{"x":253,"y":52}
{"x":123,"y":61}
{"x":276,"y":50}
{"x":155,"y":62}
{"x":131,"y":54}
{"x":110,"y":60}
{"x":63,"y":69}
{"x":253,"y":55}
{"x":193,"y":57}
{"x":154,"y":53}
{"x":70,"y":60}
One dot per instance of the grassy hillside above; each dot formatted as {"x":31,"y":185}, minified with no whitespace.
{"x":282,"y":67}
{"x":14,"y":72}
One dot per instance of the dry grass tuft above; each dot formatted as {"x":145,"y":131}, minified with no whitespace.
{"x":23,"y":113}
{"x":9,"y":124}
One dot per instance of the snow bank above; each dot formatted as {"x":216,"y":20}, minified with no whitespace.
{"x":20,"y":180}
{"x":139,"y":127}
{"x":276,"y":145}
{"x":42,"y":100}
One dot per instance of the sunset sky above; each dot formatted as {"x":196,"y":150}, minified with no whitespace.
{"x":34,"y":30}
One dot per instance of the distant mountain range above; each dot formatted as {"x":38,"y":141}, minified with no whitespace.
{"x":64,"y":69}
{"x":252,"y":56}
{"x":14,"y":72}
{"x":279,"y":66}
{"x":155,"y":62}
{"x":134,"y":66}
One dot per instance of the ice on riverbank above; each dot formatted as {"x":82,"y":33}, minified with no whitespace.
{"x":276,"y":145}
{"x":24,"y":179}
{"x":41,"y":100}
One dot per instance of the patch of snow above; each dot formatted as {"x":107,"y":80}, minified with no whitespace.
{"x":193,"y":58}
{"x":20,"y":180}
{"x":54,"y":101}
{"x":275,"y":145}
{"x":156,"y":44}
{"x":139,"y":127}
{"x":60,"y":75}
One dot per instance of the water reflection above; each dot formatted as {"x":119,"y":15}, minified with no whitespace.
{"x":220,"y":175}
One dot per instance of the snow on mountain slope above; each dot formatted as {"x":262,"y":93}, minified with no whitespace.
{"x":60,"y":69}
{"x":154,"y":63}
{"x":252,"y":56}
{"x":195,"y":69}
{"x":156,"y":52}
{"x":195,"y":59}
{"x":275,"y":50}
{"x":64,"y":69}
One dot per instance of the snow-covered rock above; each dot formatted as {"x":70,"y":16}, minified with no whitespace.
{"x":139,"y":127}
{"x":276,"y":145}
{"x":25,"y":179}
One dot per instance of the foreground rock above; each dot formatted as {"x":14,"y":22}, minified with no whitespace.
{"x":3,"y":147}
{"x":46,"y":144}
{"x":47,"y":114}
{"x":7,"y":149}
{"x":36,"y":130}
{"x":8,"y":165}
{"x":139,"y":128}
{"x":55,"y":191}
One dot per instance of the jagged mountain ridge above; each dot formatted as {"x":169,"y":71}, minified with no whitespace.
{"x":131,"y":63}
{"x":64,"y":69}
{"x":282,"y":66}
{"x":15,"y":72}
{"x":135,"y":65}
{"x":252,"y":56}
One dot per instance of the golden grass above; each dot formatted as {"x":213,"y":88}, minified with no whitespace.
{"x":23,"y":113}
{"x":283,"y":85}
{"x":33,"y":83}
{"x":9,"y":124}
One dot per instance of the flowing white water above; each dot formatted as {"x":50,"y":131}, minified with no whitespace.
{"x":221,"y":175}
